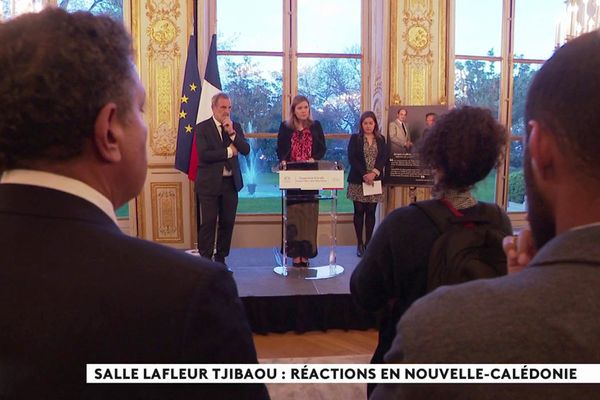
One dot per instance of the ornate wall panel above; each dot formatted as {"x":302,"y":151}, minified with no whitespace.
{"x":418,"y":52}
{"x":167,"y":212}
{"x":161,"y":30}
{"x":417,"y":66}
{"x":163,"y":53}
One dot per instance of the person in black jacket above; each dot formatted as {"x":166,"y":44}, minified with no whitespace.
{"x":367,"y":156}
{"x":461,"y":148}
{"x":219,"y":140}
{"x":75,"y":289}
{"x":301,"y":139}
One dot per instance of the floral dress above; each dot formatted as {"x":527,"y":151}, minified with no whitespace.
{"x":355,"y":190}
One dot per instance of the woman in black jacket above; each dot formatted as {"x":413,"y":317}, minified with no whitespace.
{"x":367,"y":155}
{"x":301,"y":139}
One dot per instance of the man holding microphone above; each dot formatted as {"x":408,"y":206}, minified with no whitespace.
{"x":219,"y":140}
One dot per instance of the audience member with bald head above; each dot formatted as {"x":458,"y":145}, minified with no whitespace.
{"x":73,"y":288}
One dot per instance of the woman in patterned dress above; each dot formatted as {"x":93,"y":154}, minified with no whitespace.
{"x":367,"y":155}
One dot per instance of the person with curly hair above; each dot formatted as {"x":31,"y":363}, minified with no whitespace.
{"x":462,"y":147}
{"x":74,"y":289}
{"x":546,"y":313}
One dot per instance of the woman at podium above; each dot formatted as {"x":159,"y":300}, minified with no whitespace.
{"x":301,"y":141}
{"x":367,"y":156}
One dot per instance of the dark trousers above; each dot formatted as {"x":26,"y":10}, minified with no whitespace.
{"x":222,"y":207}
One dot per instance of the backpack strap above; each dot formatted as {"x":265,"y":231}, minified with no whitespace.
{"x":445,"y":216}
{"x":493,"y":214}
{"x":437,"y":212}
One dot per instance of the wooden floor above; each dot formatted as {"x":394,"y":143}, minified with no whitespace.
{"x":315,"y":344}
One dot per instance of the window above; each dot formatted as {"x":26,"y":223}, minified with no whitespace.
{"x":113,"y":8}
{"x":271,"y":50}
{"x":12,"y":8}
{"x":490,"y":64}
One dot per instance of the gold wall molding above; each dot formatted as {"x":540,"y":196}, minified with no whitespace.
{"x":417,"y":67}
{"x":417,"y":53}
{"x":167,"y":212}
{"x":417,"y":57}
{"x":163,"y":54}
{"x":160,"y":29}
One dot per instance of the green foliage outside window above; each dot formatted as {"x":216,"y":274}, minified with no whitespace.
{"x":112,"y":8}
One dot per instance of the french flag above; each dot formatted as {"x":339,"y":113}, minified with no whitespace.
{"x":195,"y":105}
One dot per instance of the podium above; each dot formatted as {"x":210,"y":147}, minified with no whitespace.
{"x":310,"y":176}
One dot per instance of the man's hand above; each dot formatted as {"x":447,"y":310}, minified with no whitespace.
{"x":234,"y":150}
{"x":519,"y":250}
{"x":228,"y":126}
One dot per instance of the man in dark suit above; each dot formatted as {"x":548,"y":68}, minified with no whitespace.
{"x":219,"y":141}
{"x":73,"y":288}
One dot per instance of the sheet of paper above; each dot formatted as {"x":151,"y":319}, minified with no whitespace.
{"x":369,"y":190}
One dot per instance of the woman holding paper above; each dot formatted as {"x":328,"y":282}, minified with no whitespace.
{"x":367,"y":156}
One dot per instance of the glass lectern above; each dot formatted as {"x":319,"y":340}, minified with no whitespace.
{"x":320,"y":175}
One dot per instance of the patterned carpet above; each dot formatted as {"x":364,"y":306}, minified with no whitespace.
{"x":320,"y":391}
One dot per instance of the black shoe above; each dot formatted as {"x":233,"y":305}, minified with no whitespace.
{"x":220,"y":260}
{"x":360,"y":250}
{"x":301,"y":264}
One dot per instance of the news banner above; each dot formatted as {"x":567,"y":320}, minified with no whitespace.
{"x":343,"y":373}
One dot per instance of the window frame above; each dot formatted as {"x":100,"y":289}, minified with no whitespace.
{"x":507,"y":61}
{"x":290,"y":56}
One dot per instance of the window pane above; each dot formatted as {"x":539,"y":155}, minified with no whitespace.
{"x":261,"y":194}
{"x":123,"y":211}
{"x":261,"y":186}
{"x":332,"y":26}
{"x":478,"y":27}
{"x":255,"y":87}
{"x":516,"y":181}
{"x":10,"y":8}
{"x":523,"y":76}
{"x":113,"y":8}
{"x":485,"y":190}
{"x":333,"y":86}
{"x":536,"y":22}
{"x":477,"y":83}
{"x":337,"y":150}
{"x":344,"y":204}
{"x":250,"y":25}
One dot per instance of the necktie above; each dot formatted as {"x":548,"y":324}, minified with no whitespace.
{"x":405,"y":132}
{"x":226,"y":142}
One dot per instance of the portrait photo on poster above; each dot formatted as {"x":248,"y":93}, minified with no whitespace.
{"x":406,"y":127}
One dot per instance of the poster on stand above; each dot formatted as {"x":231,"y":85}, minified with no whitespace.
{"x":406,"y":128}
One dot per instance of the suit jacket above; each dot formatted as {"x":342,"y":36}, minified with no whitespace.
{"x":397,"y":137}
{"x":356,"y":157}
{"x":74,"y":290}
{"x":284,"y":141}
{"x":212,"y":155}
{"x":545,"y":314}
